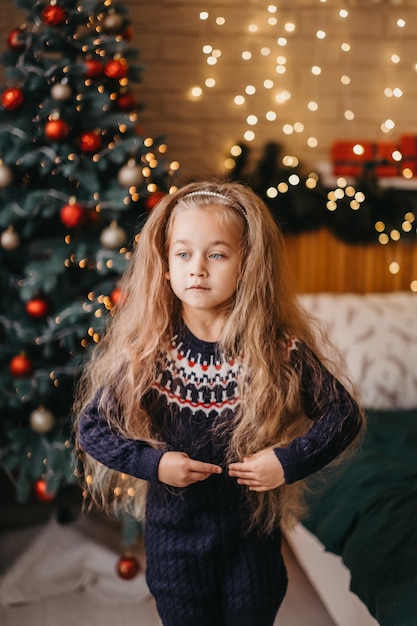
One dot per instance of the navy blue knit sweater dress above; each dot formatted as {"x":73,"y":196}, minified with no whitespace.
{"x":203,"y":568}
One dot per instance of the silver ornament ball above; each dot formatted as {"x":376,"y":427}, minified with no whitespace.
{"x":113,"y":23}
{"x":41,"y":420}
{"x":61,"y":92}
{"x":113,"y":237}
{"x":130,"y":176}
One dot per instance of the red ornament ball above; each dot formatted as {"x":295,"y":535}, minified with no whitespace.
{"x":37,"y":308}
{"x":90,"y":141}
{"x":20,"y":366}
{"x":41,"y":491}
{"x":53,"y":15}
{"x":56,"y":130}
{"x":127,"y":566}
{"x":152,"y":200}
{"x":94,"y":68}
{"x":16,"y":40}
{"x":116,"y":295}
{"x":117,"y":68}
{"x":126,"y":102}
{"x":72,"y":215}
{"x":12,"y":98}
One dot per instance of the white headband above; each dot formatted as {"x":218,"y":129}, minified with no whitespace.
{"x":216,"y":194}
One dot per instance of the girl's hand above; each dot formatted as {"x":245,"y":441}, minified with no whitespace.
{"x":261,"y":471}
{"x":178,"y":470}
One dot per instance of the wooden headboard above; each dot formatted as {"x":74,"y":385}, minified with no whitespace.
{"x":320,"y":262}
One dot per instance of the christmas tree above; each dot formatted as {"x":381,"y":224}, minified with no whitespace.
{"x":77,"y":179}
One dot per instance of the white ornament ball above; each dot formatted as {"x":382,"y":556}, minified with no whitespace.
{"x":61,"y":92}
{"x":6,"y":176}
{"x":130,"y":176}
{"x":41,"y":420}
{"x":9,"y":239}
{"x":113,"y":23}
{"x":113,"y":237}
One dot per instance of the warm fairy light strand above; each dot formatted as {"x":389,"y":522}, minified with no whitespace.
{"x":266,"y":21}
{"x":272,"y":92}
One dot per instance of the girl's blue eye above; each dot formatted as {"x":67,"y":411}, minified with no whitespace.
{"x":217,"y":255}
{"x":183,"y":255}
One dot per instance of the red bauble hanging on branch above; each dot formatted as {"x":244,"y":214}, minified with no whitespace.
{"x":127,"y":566}
{"x":117,"y":68}
{"x":41,"y":491}
{"x":72,"y":215}
{"x":20,"y":366}
{"x":12,"y":98}
{"x":94,"y":68}
{"x":37,"y":308}
{"x":152,"y":200}
{"x":16,"y":40}
{"x":56,"y":130}
{"x":126,"y":102}
{"x":53,"y":15}
{"x":90,"y":141}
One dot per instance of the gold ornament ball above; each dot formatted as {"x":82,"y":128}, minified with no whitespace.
{"x":6,"y":176}
{"x":9,"y":239}
{"x":41,"y":420}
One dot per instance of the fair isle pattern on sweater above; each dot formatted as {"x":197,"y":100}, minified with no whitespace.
{"x":199,"y":381}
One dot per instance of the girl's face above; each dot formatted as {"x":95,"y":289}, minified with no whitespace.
{"x":204,"y":260}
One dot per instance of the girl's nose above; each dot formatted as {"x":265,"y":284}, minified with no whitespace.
{"x":198,"y":268}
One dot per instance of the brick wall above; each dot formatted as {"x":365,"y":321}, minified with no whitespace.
{"x":170,"y":35}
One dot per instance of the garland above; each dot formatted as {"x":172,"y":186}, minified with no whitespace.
{"x":363,"y":213}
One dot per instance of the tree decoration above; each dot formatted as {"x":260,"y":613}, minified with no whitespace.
{"x":6,"y":176}
{"x":56,"y":130}
{"x":20,"y":366}
{"x":94,"y":68}
{"x":152,"y":200}
{"x":113,"y":23}
{"x":126,"y":102}
{"x":116,"y":296}
{"x":12,"y":98}
{"x":113,"y":237}
{"x":116,"y":69}
{"x":9,"y":239}
{"x":127,"y":567}
{"x":41,"y":491}
{"x":37,"y":308}
{"x":16,"y":40}
{"x":72,"y":214}
{"x":90,"y":141}
{"x":130,"y":175}
{"x":61,"y":92}
{"x":53,"y":15}
{"x":41,"y":420}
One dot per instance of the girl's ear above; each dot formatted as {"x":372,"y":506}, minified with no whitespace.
{"x":167,"y":275}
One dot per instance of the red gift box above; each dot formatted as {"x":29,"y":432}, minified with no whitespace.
{"x":362,"y":158}
{"x":408,"y":148}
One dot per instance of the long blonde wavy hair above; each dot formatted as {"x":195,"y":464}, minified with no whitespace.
{"x":264,"y":312}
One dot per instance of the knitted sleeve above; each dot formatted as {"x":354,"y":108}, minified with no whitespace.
{"x":110,"y":448}
{"x":335,"y":415}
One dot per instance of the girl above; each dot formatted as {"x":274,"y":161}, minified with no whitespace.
{"x":207,"y":387}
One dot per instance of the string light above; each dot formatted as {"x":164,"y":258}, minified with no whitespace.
{"x":278,"y":68}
